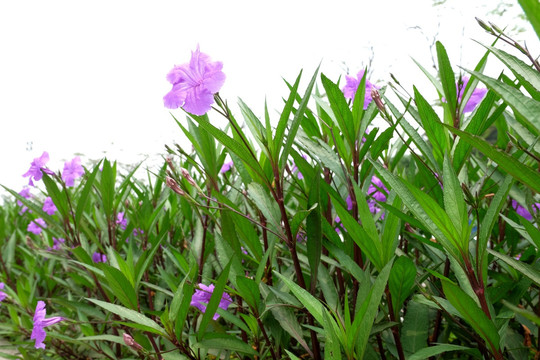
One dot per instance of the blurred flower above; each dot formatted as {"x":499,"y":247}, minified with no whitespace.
{"x":476,"y":97}
{"x":48,"y":206}
{"x":521,"y":211}
{"x":517,"y":257}
{"x":72,"y":170}
{"x":202,"y":296}
{"x":25,"y":193}
{"x":378,"y":192}
{"x":339,"y":225}
{"x":34,"y":226}
{"x":226,"y":167}
{"x":349,"y":202}
{"x":56,"y":244}
{"x":195,"y":84}
{"x":36,"y":168}
{"x":38,"y":332}
{"x":3,"y":295}
{"x":137,"y":232}
{"x":98,"y":257}
{"x":121,"y":220}
{"x":352,"y":86}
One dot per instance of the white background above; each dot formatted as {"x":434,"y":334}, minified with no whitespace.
{"x":88,"y":77}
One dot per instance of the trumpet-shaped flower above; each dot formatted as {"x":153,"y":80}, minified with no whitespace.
{"x":72,"y":170}
{"x":36,"y":168}
{"x":352,"y":86}
{"x":194,"y":84}
{"x":476,"y":97}
{"x":202,"y":296}
{"x":48,"y":206}
{"x":56,"y":244}
{"x":36,"y":226}
{"x":3,"y":295}
{"x":38,"y":331}
{"x":521,"y":211}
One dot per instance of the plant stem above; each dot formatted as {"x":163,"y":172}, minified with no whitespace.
{"x":394,"y":329}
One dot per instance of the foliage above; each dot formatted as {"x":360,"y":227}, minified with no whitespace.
{"x":324,"y":239}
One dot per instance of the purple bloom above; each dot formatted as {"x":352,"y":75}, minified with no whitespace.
{"x":195,"y":84}
{"x":121,"y":220}
{"x":295,"y":168}
{"x":56,"y":244}
{"x":339,"y":225}
{"x":521,"y":211}
{"x":48,"y":206}
{"x":352,"y":86}
{"x":476,"y":97}
{"x":137,"y":232}
{"x":98,"y":257}
{"x":378,"y":192}
{"x":349,"y":202}
{"x":202,"y":296}
{"x":72,"y":170}
{"x":3,"y":295}
{"x":38,"y":331}
{"x":25,"y":193}
{"x":226,"y":167}
{"x":36,"y":226}
{"x":36,"y":167}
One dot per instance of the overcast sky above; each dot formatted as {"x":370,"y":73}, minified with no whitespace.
{"x":88,"y":77}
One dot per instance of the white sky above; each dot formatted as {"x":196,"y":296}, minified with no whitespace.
{"x":89,"y":77}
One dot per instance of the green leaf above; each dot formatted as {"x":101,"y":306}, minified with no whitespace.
{"x":340,"y":108}
{"x":120,"y":286}
{"x":298,"y":116}
{"x":532,"y":10}
{"x":401,"y":282}
{"x":435,"y":350}
{"x":312,"y":305}
{"x":472,"y":313}
{"x":131,"y":315}
{"x":314,"y":229}
{"x":109,"y":338}
{"x":284,"y":117}
{"x":527,"y":108}
{"x":523,"y":312}
{"x":527,"y":76}
{"x":454,"y":203}
{"x":249,"y":291}
{"x":528,"y":176}
{"x":265,"y":204}
{"x":83,"y":199}
{"x":523,"y":268}
{"x":414,"y":333}
{"x":432,"y":125}
{"x":448,"y":79}
{"x":227,"y":342}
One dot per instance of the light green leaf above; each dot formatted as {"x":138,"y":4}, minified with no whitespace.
{"x":428,"y":352}
{"x":523,"y":268}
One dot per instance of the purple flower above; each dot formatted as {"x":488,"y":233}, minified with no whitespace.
{"x":202,"y":296}
{"x":476,"y":97}
{"x":226,"y":167}
{"x":349,"y":202}
{"x":48,"y":206}
{"x":3,"y":295}
{"x":72,"y":170}
{"x":378,"y":192}
{"x":137,"y":232}
{"x":36,"y":226}
{"x":38,"y":332}
{"x":98,"y":257}
{"x":295,"y":168}
{"x":195,"y":84}
{"x":352,"y":86}
{"x":56,"y":244}
{"x":339,"y":225}
{"x":121,"y":220}
{"x":25,"y":193}
{"x":521,"y":211}
{"x":36,"y":168}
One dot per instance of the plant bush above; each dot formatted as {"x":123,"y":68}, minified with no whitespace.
{"x":312,"y":235}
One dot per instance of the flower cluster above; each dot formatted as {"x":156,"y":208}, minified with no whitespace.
{"x":56,"y":244}
{"x":3,"y":295}
{"x":521,"y":211}
{"x":48,"y":206}
{"x":121,"y":220}
{"x":476,"y":96}
{"x":98,"y":257}
{"x":202,"y":296}
{"x":36,"y":226}
{"x":194,"y":84}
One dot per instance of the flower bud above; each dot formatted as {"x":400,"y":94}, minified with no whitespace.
{"x":378,"y":101}
{"x":483,"y":25}
{"x":129,"y":341}
{"x":174,"y":186}
{"x":188,"y":177}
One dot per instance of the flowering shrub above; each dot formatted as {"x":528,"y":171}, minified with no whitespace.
{"x":413,"y":241}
